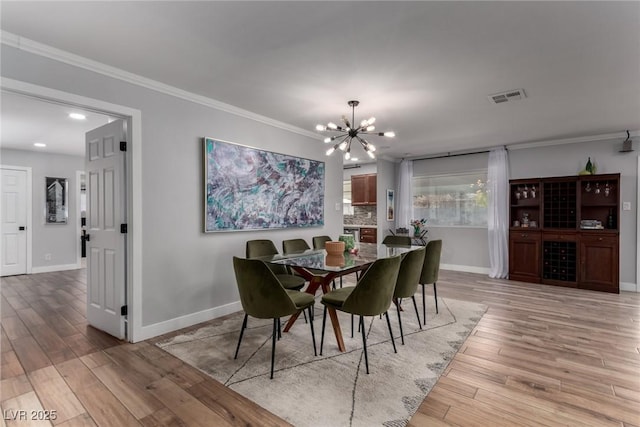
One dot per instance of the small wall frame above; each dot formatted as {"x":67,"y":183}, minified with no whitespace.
{"x":56,"y":200}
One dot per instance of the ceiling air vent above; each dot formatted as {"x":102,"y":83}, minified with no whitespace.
{"x":510,"y":95}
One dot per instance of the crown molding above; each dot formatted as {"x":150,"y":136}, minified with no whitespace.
{"x":587,"y":138}
{"x":31,"y":46}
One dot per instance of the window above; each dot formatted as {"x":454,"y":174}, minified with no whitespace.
{"x":451,"y":200}
{"x":347,"y":209}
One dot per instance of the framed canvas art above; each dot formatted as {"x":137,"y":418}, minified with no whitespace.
{"x":56,"y":206}
{"x":251,"y":189}
{"x":390,"y":205}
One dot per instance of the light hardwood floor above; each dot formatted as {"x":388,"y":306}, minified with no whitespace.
{"x":541,"y":355}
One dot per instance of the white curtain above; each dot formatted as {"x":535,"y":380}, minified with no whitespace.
{"x":498,"y":212}
{"x":404,"y":210}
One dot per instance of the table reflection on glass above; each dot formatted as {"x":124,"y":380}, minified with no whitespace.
{"x":321,"y":269}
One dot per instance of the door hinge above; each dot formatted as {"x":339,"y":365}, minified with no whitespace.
{"x":123,"y":145}
{"x":123,"y":310}
{"x":123,"y":228}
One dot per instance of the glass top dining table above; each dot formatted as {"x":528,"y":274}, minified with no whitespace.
{"x":320,"y":269}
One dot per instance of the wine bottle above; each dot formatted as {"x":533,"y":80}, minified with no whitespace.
{"x":589,"y":166}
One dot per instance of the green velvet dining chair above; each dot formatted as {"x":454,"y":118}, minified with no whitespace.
{"x":397,"y":240}
{"x":430,"y":270}
{"x":294,"y":245}
{"x":262,"y":296}
{"x":371,"y":296}
{"x":407,"y":282}
{"x":264,"y":247}
{"x":319,"y":241}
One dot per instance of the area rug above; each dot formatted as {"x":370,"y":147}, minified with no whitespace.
{"x":333,"y":389}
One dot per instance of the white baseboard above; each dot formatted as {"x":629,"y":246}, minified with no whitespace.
{"x":629,"y":287}
{"x":52,"y":268}
{"x":171,"y":325}
{"x":465,"y":268}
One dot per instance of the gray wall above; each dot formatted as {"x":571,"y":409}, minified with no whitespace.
{"x":184,"y":270}
{"x":569,"y":159}
{"x":59,"y":240}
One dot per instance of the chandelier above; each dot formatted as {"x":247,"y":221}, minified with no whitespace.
{"x":351,"y":131}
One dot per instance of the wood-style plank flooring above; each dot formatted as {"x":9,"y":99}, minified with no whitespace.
{"x":541,"y":355}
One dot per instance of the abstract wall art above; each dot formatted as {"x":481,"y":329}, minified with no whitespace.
{"x":251,"y":189}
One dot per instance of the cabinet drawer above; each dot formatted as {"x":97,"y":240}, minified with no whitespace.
{"x":368,"y":235}
{"x":368,"y":231}
{"x":563,"y":237}
{"x":524,"y":235}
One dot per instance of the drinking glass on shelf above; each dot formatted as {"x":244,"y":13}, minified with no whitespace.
{"x":518,"y":194}
{"x":588,"y":187}
{"x":533,"y":192}
{"x":607,"y":190}
{"x":525,"y":192}
{"x":597,"y":190}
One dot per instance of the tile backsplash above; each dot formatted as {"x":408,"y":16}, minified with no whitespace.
{"x":361,"y":216}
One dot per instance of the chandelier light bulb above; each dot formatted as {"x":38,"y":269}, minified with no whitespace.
{"x":389,"y":134}
{"x":364,"y":123}
{"x":371,"y":147}
{"x":332,"y":125}
{"x":354,"y":159}
{"x":371,"y":128}
{"x":347,"y":155}
{"x":371,"y":120}
{"x":321,"y":127}
{"x":343,"y":145}
{"x":370,"y":153}
{"x":330,"y":151}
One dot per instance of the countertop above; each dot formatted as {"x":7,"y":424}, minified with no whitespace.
{"x":358,"y":226}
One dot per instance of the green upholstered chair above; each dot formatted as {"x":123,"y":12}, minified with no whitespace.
{"x":294,"y":245}
{"x":397,"y":240}
{"x":430,"y":270}
{"x":263,"y":297}
{"x":370,"y":297}
{"x":319,"y":241}
{"x":264,"y":247}
{"x":407,"y":283}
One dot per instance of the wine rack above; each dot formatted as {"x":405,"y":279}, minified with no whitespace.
{"x":560,"y":204}
{"x":559,"y":261}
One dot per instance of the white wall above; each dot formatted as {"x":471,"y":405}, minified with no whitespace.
{"x":385,"y":179}
{"x":185,"y":272}
{"x":58,"y":240}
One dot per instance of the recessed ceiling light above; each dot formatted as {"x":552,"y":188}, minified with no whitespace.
{"x":77,"y":116}
{"x":39,"y":144}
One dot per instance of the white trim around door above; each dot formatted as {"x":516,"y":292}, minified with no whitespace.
{"x":133,"y":118}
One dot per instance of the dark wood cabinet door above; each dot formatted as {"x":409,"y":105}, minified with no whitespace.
{"x":368,"y":235}
{"x":358,"y":190}
{"x":524,"y":256}
{"x":599,"y":263}
{"x":372,"y":187}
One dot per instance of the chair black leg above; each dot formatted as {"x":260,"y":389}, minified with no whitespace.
{"x":415,"y":306}
{"x":386,"y":314}
{"x":435,"y":295}
{"x":244,"y":325}
{"x":424,"y":307}
{"x":324,"y":322}
{"x":364,"y":344}
{"x":352,"y":326}
{"x":400,"y":323}
{"x":273,"y":344}
{"x":279,"y":329}
{"x":305,"y":316}
{"x":313,"y":335}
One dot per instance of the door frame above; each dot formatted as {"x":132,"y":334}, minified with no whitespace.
{"x":78,"y":219}
{"x":133,"y":167}
{"x":29,"y":207}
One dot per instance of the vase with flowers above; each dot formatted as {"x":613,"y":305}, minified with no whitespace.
{"x":417,"y":225}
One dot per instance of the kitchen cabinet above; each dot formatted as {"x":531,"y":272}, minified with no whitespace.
{"x":599,"y":262}
{"x":368,"y":235}
{"x":363,"y":190}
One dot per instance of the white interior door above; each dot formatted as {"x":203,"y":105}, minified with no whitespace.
{"x":106,"y":212}
{"x":13,"y":217}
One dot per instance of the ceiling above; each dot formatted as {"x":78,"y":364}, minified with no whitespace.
{"x":424,"y":69}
